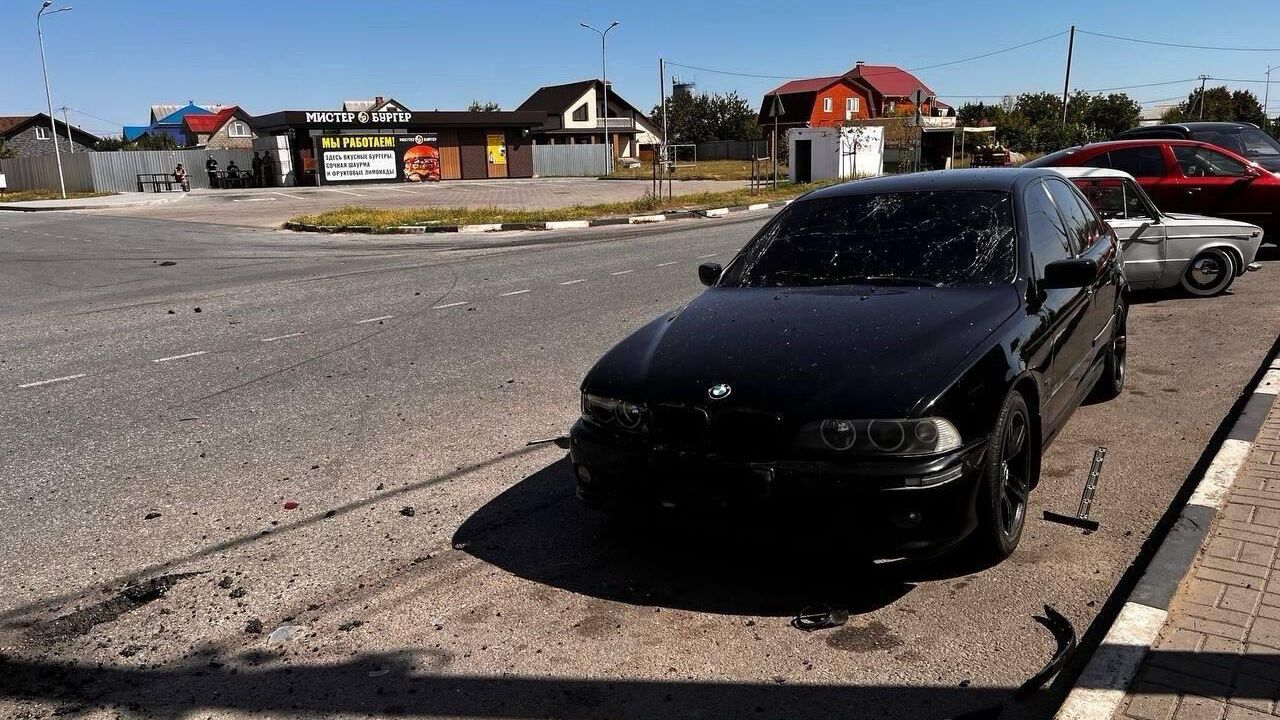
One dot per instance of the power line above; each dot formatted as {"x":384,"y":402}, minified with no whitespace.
{"x":883,"y":72}
{"x":95,"y":117}
{"x":1179,"y":45}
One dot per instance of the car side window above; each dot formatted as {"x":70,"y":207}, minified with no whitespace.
{"x":1079,"y":222}
{"x":1048,"y":236}
{"x":1107,"y":197}
{"x":1136,"y":205}
{"x":1144,"y":161}
{"x":1203,"y":162}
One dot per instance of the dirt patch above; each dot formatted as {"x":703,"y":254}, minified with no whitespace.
{"x":128,"y":599}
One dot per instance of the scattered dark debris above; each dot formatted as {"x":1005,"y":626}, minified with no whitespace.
{"x":350,"y":625}
{"x":197,"y":309}
{"x":330,"y":513}
{"x":876,"y":636}
{"x":253,"y":627}
{"x":965,"y":683}
{"x":417,"y":294}
{"x":188,"y":419}
{"x":130,"y":650}
{"x":226,"y":582}
{"x":151,"y":515}
{"x":129,"y":598}
{"x":237,"y":593}
{"x":166,"y":263}
{"x":380,"y":486}
{"x":315,"y":467}
{"x":290,"y":504}
{"x":407,"y":511}
{"x":172,"y":312}
{"x":69,"y":709}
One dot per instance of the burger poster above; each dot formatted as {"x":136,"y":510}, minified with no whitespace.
{"x":419,"y":157}
{"x":379,"y":158}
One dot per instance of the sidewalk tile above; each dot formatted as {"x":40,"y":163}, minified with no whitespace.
{"x":1198,"y":708}
{"x":1216,"y":614}
{"x":1149,"y":703}
{"x":1235,"y":566}
{"x":1230,"y":578}
{"x":1222,"y":651}
{"x":1266,"y":632}
{"x":1239,"y":713}
{"x":1256,"y":553}
{"x":1240,"y":599}
{"x":1205,"y":592}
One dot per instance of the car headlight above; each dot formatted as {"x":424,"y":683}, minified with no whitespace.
{"x":614,"y":413}
{"x":918,"y":436}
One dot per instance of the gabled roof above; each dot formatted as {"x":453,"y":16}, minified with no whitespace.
{"x":213,"y":123}
{"x":806,"y":85}
{"x":888,"y":80}
{"x":374,"y":105}
{"x":175,"y":117}
{"x":557,"y":98}
{"x":14,"y":124}
{"x":160,"y":113}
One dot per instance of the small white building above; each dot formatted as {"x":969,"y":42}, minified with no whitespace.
{"x":575,"y":115}
{"x":831,"y":153}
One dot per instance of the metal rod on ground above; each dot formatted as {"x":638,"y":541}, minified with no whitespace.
{"x":1081,"y":519}
{"x":1066,"y":84}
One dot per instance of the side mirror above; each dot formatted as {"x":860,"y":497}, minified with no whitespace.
{"x":709,"y":273}
{"x":1070,"y":274}
{"x":1251,"y":173}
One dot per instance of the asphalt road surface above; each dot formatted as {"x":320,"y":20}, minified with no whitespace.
{"x":160,"y":421}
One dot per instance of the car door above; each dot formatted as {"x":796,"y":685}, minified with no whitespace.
{"x":1060,"y":310}
{"x":1148,"y":163}
{"x":1219,"y":185}
{"x":1085,"y":230}
{"x":1136,"y":223}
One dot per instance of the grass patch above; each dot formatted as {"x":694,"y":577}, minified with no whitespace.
{"x":702,"y":170}
{"x":29,"y":195}
{"x":394,"y":217}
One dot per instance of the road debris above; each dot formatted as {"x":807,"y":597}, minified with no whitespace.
{"x":1081,"y":519}
{"x":350,"y":625}
{"x":560,"y":441}
{"x":407,"y":511}
{"x":819,"y":618}
{"x":290,"y":504}
{"x":1065,"y":637}
{"x":253,"y":627}
{"x":151,"y":515}
{"x":166,"y":263}
{"x":284,"y":634}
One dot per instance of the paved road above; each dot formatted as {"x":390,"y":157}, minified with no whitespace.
{"x":162,"y":419}
{"x":271,"y":207}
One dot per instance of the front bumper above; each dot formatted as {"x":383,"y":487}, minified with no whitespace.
{"x":869,"y":498}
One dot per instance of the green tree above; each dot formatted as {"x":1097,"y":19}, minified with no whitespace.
{"x":702,"y":118}
{"x":1216,"y":101}
{"x":156,"y":141}
{"x":108,"y":144}
{"x":477,"y":106}
{"x":1246,"y":107}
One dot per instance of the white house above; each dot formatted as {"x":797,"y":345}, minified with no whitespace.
{"x":575,"y":116}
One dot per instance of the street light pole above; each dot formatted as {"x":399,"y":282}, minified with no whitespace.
{"x":604,"y":81}
{"x":1266,"y":98}
{"x":48,"y":97}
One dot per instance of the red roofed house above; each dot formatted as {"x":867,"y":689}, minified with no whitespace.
{"x":866,"y":91}
{"x":229,"y":128}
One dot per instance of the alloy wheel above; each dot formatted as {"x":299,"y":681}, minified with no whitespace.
{"x":1015,"y":475}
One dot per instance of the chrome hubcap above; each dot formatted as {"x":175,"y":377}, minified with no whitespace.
{"x":1206,"y":271}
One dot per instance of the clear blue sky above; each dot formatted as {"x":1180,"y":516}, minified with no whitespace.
{"x":114,"y":58}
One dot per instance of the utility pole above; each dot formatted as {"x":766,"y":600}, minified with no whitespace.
{"x":48,"y":97}
{"x":1266,"y":98}
{"x":1202,"y":79}
{"x":1066,"y":84}
{"x":659,"y":158}
{"x":71,"y":144}
{"x":604,"y":80}
{"x":774,"y":160}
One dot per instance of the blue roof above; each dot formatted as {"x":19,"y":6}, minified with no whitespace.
{"x":133,"y":132}
{"x":175,"y":117}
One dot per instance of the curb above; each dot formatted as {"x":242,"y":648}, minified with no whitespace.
{"x":549,"y":225}
{"x":1103,"y":683}
{"x":139,"y":203}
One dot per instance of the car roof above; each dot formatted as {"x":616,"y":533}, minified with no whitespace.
{"x":1195,"y":125}
{"x":1002,"y":179}
{"x":1091,"y":172}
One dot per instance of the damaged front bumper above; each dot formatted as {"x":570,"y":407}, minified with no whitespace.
{"x":897,"y":507}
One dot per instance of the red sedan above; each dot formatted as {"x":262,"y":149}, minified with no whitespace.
{"x":1187,"y":176}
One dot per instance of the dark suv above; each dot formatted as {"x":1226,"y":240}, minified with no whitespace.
{"x":1241,"y":138}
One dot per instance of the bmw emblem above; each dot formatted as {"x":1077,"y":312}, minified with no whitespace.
{"x":719,"y":392}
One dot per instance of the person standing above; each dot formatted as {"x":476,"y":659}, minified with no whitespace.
{"x":180,"y":177}
{"x":257,"y":169}
{"x":211,"y":165}
{"x":268,"y":170}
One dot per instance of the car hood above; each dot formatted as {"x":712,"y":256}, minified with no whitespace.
{"x":810,"y":352}
{"x":1230,"y":226}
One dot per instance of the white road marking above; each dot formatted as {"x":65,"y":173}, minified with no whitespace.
{"x":179,"y":357}
{"x":50,"y":381}
{"x":282,"y":337}
{"x":707,"y":255}
{"x":374,"y":319}
{"x":344,"y":192}
{"x":574,"y":282}
{"x":622,"y":272}
{"x":514,"y":292}
{"x":255,"y":200}
{"x":295,"y":197}
{"x":1101,"y":686}
{"x":452,"y":304}
{"x":398,"y":190}
{"x":673,"y":262}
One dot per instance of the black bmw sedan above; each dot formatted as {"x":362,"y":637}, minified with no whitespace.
{"x":897,"y":351}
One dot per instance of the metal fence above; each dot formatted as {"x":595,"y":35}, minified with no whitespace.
{"x":732,"y":150}
{"x":569,"y":160}
{"x":114,"y":171}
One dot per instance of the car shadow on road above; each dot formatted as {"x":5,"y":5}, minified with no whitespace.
{"x":537,"y":530}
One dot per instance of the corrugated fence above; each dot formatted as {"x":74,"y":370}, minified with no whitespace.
{"x":114,"y":171}
{"x":732,"y":150}
{"x":569,"y":160}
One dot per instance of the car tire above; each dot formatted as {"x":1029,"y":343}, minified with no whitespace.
{"x":1009,"y":472}
{"x":1111,"y":383}
{"x":1209,"y":273}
